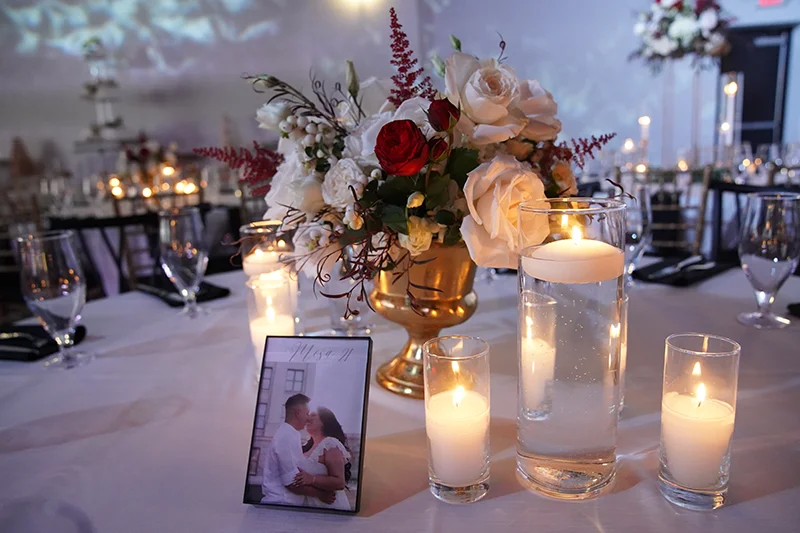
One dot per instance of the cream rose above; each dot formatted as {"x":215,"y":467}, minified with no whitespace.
{"x":565,"y":179}
{"x":486,"y":91}
{"x":419,"y":235}
{"x":336,"y":187}
{"x":493,"y":193}
{"x":540,"y":110}
{"x":293,"y":186}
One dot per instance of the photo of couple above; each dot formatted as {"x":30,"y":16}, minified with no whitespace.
{"x":314,"y":475}
{"x":307,"y":431}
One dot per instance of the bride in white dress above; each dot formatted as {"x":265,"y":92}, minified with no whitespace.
{"x":326,"y":465}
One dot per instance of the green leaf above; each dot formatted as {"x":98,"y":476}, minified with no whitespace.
{"x":394,"y":217}
{"x":453,"y":236}
{"x":396,"y":189}
{"x":436,"y":194}
{"x":370,"y":196}
{"x":455,"y":42}
{"x":446,"y":218}
{"x":461,"y":162}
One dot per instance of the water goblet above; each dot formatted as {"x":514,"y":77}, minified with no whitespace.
{"x":638,"y":229}
{"x":769,"y":249}
{"x":54,"y":289}
{"x":184,"y":253}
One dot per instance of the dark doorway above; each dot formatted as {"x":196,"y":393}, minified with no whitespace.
{"x":761,"y":56}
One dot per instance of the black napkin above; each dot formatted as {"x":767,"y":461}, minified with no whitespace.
{"x":794,"y":309}
{"x":25,"y":349}
{"x":683,"y":278}
{"x":162,"y":288}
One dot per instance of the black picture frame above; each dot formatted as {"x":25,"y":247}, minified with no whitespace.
{"x":247,"y":497}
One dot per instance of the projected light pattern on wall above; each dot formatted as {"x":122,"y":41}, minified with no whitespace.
{"x":148,"y":27}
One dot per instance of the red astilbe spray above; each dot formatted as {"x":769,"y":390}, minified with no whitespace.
{"x":257,"y":166}
{"x":406,"y":84}
{"x":583,"y":148}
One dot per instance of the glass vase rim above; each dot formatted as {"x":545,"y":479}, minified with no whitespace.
{"x":600,"y":205}
{"x":483,"y":352}
{"x":46,"y":236}
{"x":774,"y":196}
{"x":735,"y":347}
{"x":261,"y":227}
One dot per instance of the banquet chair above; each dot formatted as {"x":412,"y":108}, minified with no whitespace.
{"x":135,"y":252}
{"x":19,"y":214}
{"x":679,"y":207}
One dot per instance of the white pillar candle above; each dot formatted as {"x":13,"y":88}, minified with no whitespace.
{"x":457,"y":423}
{"x":270,"y":325}
{"x":696,"y":433}
{"x":538,"y":367}
{"x":575,"y":260}
{"x":260,"y":262}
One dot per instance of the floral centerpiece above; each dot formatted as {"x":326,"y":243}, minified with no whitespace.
{"x":673,"y":29}
{"x":390,"y":168}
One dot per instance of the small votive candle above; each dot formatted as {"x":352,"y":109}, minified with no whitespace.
{"x":457,"y":417}
{"x":698,"y":409}
{"x":271,"y":306}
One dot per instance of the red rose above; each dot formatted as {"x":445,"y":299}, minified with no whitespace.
{"x":437,"y":149}
{"x":443,"y":115}
{"x":401,"y":148}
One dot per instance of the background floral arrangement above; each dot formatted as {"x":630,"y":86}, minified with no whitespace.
{"x":673,"y":29}
{"x":375,"y":173}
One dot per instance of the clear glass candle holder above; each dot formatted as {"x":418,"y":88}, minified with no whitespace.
{"x":271,"y":309}
{"x":571,"y":282}
{"x":262,"y":247}
{"x":457,"y":417}
{"x":698,"y":408}
{"x":622,"y":332}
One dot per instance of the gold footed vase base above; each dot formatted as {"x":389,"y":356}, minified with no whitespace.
{"x":451,"y":272}
{"x":403,"y":374}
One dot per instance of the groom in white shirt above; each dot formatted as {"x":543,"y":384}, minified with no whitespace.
{"x":283,"y":456}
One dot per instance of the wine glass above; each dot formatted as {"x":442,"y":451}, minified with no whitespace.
{"x":638,"y":228}
{"x":184,"y":253}
{"x":54,"y":289}
{"x":769,"y":249}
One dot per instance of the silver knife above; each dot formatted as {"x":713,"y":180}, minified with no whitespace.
{"x":674,"y":269}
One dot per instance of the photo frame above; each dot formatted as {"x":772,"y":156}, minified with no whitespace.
{"x":309,"y":424}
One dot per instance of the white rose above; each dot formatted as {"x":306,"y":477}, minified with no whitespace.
{"x":540,"y":109}
{"x":419,"y":236}
{"x":683,"y":29}
{"x":663,"y":46}
{"x":707,"y":21}
{"x":293,"y":186}
{"x":493,"y":192}
{"x":339,"y":179}
{"x":668,"y":4}
{"x":270,"y":115}
{"x":640,"y":28}
{"x":484,"y":90}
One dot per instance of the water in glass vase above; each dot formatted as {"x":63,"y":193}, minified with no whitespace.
{"x":60,"y":313}
{"x":569,"y":378}
{"x":766,"y":275}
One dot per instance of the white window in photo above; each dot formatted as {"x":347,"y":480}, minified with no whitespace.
{"x":261,"y":416}
{"x":295,"y":380}
{"x":266,"y":378}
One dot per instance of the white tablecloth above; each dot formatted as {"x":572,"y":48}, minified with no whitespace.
{"x":153,"y":436}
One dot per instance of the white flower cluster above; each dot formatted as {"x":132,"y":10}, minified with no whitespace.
{"x":673,"y":28}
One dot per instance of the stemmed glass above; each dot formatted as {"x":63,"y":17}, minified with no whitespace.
{"x":638,"y":229}
{"x":54,"y":289}
{"x":184,"y":253}
{"x":769,"y":249}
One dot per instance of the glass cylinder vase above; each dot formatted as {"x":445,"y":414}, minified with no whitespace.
{"x":456,"y":372}
{"x":698,"y":408}
{"x":271,"y":309}
{"x":262,"y":247}
{"x":571,"y":282}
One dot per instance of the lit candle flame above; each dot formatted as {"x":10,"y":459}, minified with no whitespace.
{"x":700,"y":394}
{"x":458,"y":396}
{"x":696,"y":369}
{"x":577,"y":234}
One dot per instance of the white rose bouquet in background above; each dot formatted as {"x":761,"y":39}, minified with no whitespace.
{"x":380,"y":172}
{"x":673,"y":29}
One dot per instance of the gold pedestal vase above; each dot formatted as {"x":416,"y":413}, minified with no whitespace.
{"x":446,"y":268}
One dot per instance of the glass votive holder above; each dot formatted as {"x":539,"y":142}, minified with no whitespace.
{"x":457,"y":417}
{"x":271,"y":309}
{"x":622,"y":332}
{"x":698,"y":409}
{"x":263,"y":245}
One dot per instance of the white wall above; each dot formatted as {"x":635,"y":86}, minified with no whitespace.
{"x":184,"y":60}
